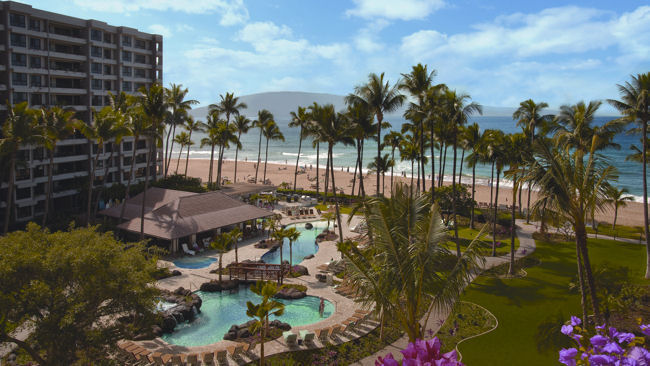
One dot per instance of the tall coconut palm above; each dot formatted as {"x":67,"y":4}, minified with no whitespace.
{"x":212,"y":140}
{"x":138,"y":126}
{"x":264,"y":117}
{"x":409,"y":151}
{"x":380,"y":98}
{"x":394,"y":273}
{"x":153,"y":105}
{"x":236,"y":236}
{"x":362,"y":128}
{"x":634,"y":105}
{"x":192,"y":125}
{"x":260,"y":312}
{"x":312,"y":131}
{"x":229,"y":105}
{"x":212,"y":122}
{"x":618,"y":197}
{"x":392,"y":139}
{"x":498,"y":156}
{"x":516,"y":156}
{"x":55,"y":124}
{"x":227,"y":133}
{"x":432,"y":106}
{"x":529,"y":117}
{"x":176,"y":116}
{"x":299,"y":118}
{"x":242,"y":125}
{"x":119,"y":131}
{"x":381,"y":166}
{"x":271,"y":132}
{"x":222,"y":244}
{"x":473,"y":139}
{"x":17,"y":130}
{"x":458,"y":108}
{"x":183,"y":139}
{"x":292,"y":235}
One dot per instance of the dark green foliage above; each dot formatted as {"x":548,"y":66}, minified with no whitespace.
{"x":463,"y":203}
{"x":62,"y":284}
{"x":548,"y":337}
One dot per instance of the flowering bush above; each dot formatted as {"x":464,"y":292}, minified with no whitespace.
{"x":607,"y":347}
{"x":422,"y":353}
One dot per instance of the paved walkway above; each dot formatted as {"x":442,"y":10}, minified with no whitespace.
{"x":437,"y":318}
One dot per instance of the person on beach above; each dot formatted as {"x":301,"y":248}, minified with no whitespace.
{"x":321,"y":307}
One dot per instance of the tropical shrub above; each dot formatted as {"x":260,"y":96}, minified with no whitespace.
{"x":423,"y":353}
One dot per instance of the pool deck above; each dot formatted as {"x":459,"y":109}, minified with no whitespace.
{"x":344,"y":307}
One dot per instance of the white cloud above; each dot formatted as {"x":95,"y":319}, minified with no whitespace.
{"x":367,"y":40}
{"x":232,"y":11}
{"x":160,"y":29}
{"x":390,"y":9}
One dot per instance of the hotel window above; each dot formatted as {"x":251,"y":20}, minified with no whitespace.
{"x":37,"y":99}
{"x":126,"y":41}
{"x":96,"y":68}
{"x":96,"y":84}
{"x":35,"y":25}
{"x":18,"y":78}
{"x":107,"y":53}
{"x":107,"y":85}
{"x":18,"y":40}
{"x":140,"y":73}
{"x":96,"y":35}
{"x":35,"y":43}
{"x":97,"y":100}
{"x":35,"y":80}
{"x":126,"y":56}
{"x":107,"y":38}
{"x":126,"y":86}
{"x":141,"y":59}
{"x":19,"y":97}
{"x":140,"y":85}
{"x":108,"y":70}
{"x":96,"y":51}
{"x":140,"y":44}
{"x":18,"y":59}
{"x":35,"y":62}
{"x":127,"y":71}
{"x":17,"y":20}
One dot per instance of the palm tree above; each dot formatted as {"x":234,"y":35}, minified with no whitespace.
{"x":381,"y":167}
{"x":363,"y":127}
{"x":380,"y":98}
{"x":634,"y":105}
{"x":264,"y":117}
{"x":260,"y":312}
{"x":400,"y":272}
{"x":236,"y":235}
{"x":271,"y":132}
{"x":138,"y":126}
{"x":292,"y":234}
{"x":227,"y":133}
{"x":279,"y":235}
{"x":17,"y":130}
{"x":300,"y":118}
{"x":242,"y":125}
{"x":116,"y":133}
{"x":153,"y":105}
{"x":182,"y":139}
{"x":177,"y":114}
{"x":408,"y":150}
{"x":229,"y":105}
{"x":222,"y":244}
{"x":515,"y":149}
{"x":528,"y":117}
{"x":473,"y":139}
{"x":56,"y":124}
{"x":392,"y":139}
{"x":192,"y":125}
{"x":498,"y":156}
{"x":617,"y":197}
{"x":211,"y":140}
{"x":329,"y":216}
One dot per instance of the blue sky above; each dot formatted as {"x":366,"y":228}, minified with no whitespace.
{"x":500,"y":52}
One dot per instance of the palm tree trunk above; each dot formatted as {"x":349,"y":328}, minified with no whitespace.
{"x":91,"y":180}
{"x":581,"y":283}
{"x":146,"y":187}
{"x":422,"y":163}
{"x":383,"y":182}
{"x":295,"y":173}
{"x":440,"y":173}
{"x":471,"y":214}
{"x":171,"y":150}
{"x":211,"y":166}
{"x":167,"y":146}
{"x":236,"y":155}
{"x":615,"y":216}
{"x":101,"y":193}
{"x":362,"y":188}
{"x":392,"y":157}
{"x":259,"y":155}
{"x":266,"y":158}
{"x":496,"y":215}
{"x":317,"y":168}
{"x":433,"y":166}
{"x":178,"y":161}
{"x":645,"y":197}
{"x":128,"y":184}
{"x":290,"y":255}
{"x":581,"y":237}
{"x":460,"y":174}
{"x":336,"y":202}
{"x":511,"y":269}
{"x":187,"y":159}
{"x":354,"y":176}
{"x":219,"y":162}
{"x":48,"y":192}
{"x":492,"y":184}
{"x":379,"y":120}
{"x":444,"y":165}
{"x":327,"y":176}
{"x":453,"y":193}
{"x":412,"y":165}
{"x":523,"y":174}
{"x":10,"y":189}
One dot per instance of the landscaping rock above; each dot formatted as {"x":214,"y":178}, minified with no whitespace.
{"x":178,"y":316}
{"x":321,"y":277}
{"x":156,"y":330}
{"x":244,"y":333}
{"x":214,"y":286}
{"x":182,"y":292}
{"x":168,"y":324}
{"x":176,"y":272}
{"x":309,"y":256}
{"x":280,"y":325}
{"x":302,"y":270}
{"x":290,"y":293}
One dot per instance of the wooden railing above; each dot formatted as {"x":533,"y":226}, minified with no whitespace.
{"x":258,"y":271}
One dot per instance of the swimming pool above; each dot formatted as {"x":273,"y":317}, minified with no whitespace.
{"x":220,"y":310}
{"x":304,"y":246}
{"x":194,"y":262}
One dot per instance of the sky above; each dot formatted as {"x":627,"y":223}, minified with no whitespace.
{"x":499,"y":52}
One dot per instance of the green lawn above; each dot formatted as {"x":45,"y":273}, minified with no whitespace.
{"x":521,"y":304}
{"x":629,"y":232}
{"x":466,"y":235}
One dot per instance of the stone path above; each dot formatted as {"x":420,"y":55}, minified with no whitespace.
{"x":437,"y":318}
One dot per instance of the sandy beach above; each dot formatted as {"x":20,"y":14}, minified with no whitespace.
{"x":278,"y":173}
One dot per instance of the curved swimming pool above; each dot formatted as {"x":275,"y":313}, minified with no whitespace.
{"x":220,"y":310}
{"x":194,"y":262}
{"x":304,"y":246}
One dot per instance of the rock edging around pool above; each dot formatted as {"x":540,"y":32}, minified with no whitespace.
{"x":242,"y":332}
{"x":188,"y":305}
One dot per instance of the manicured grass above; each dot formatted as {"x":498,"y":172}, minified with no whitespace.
{"x":629,"y":232}
{"x":465,"y":321}
{"x":521,"y":304}
{"x":466,"y":235}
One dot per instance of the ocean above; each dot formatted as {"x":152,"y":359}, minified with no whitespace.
{"x":286,"y":152}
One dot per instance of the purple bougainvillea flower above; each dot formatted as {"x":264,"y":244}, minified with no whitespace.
{"x":645,"y":328}
{"x":613,"y":347}
{"x":567,"y":329}
{"x":575,"y":321}
{"x":601,"y":360}
{"x":388,"y":360}
{"x":568,"y":356}
{"x":639,"y":355}
{"x":598,"y":340}
{"x":612,"y":332}
{"x":625,"y":337}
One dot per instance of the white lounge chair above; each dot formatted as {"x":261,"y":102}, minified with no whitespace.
{"x":290,"y":338}
{"x":221,"y":356}
{"x":307,"y":336}
{"x":187,"y":250}
{"x":196,"y":245}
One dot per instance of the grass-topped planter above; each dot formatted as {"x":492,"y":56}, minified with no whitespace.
{"x":468,"y":320}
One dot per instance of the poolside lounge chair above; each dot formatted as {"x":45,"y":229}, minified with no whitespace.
{"x":221,"y":356}
{"x":350,"y":323}
{"x":192,"y":359}
{"x":307,"y":336}
{"x":186,"y":250}
{"x":336,"y":331}
{"x":290,"y":338}
{"x":236,"y":350}
{"x":208,"y":358}
{"x":323,"y":334}
{"x":160,"y":359}
{"x":177,"y":360}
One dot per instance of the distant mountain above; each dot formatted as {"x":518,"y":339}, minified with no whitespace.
{"x":281,"y":104}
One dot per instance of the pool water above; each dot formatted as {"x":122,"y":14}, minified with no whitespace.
{"x":194,"y":262}
{"x":220,"y":310}
{"x":304,"y":246}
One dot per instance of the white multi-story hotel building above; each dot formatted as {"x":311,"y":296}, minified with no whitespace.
{"x":49,"y":59}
